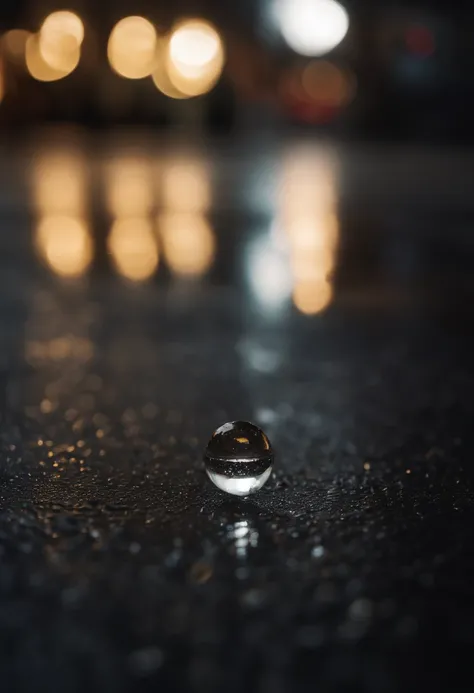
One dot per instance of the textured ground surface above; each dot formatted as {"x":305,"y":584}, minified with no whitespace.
{"x":123,"y":569}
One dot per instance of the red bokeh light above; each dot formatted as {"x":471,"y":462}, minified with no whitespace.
{"x":420,"y":41}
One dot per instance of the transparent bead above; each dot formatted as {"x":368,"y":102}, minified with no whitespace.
{"x":239,"y":458}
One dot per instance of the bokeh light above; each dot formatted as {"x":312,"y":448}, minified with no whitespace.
{"x":328,"y":84}
{"x":65,"y":244}
{"x":40,"y":70}
{"x":195,"y":57}
{"x":60,"y":39}
{"x":312,"y":297}
{"x":131,"y":47}
{"x":312,"y":27}
{"x":188,"y":243}
{"x":269,"y":274}
{"x":129,"y":187}
{"x":63,"y":237}
{"x":308,"y":216}
{"x":186,"y":186}
{"x":420,"y":41}
{"x":132,"y":245}
{"x":160,"y":75}
{"x":14,"y":45}
{"x":313,"y":244}
{"x":59,"y":184}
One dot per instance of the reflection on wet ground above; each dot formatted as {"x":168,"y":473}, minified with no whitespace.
{"x":296,"y":224}
{"x":151,"y":293}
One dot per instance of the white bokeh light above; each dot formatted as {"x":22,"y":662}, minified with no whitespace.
{"x":312,"y":27}
{"x":269,"y":274}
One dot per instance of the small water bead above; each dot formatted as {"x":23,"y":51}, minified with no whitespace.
{"x":239,"y":458}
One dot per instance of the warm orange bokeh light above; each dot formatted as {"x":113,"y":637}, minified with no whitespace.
{"x":133,"y":247}
{"x":60,"y":39}
{"x":160,"y":75}
{"x":40,"y":70}
{"x":63,"y":238}
{"x":186,"y":187}
{"x":327,"y":84}
{"x":129,"y":187}
{"x":14,"y":45}
{"x":308,"y":216}
{"x":65,"y":244}
{"x":132,"y":47}
{"x":195,"y":57}
{"x":59,"y":184}
{"x":312,"y":297}
{"x":188,"y":243}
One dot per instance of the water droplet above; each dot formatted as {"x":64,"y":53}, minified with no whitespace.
{"x":239,"y":458}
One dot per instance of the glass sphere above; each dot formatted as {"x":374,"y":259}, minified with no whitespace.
{"x":239,"y":458}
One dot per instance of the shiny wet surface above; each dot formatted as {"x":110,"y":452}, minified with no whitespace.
{"x":326,"y":295}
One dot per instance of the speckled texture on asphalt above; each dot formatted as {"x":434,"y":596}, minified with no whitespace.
{"x":122,"y":568}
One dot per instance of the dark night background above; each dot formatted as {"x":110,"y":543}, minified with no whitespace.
{"x":236,"y":222}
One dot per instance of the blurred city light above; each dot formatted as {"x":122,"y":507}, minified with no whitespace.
{"x":316,"y":92}
{"x":40,"y":70}
{"x":312,"y":27}
{"x":420,"y":41}
{"x":132,"y":46}
{"x":14,"y":45}
{"x":63,"y":238}
{"x":59,"y":184}
{"x":133,"y":247}
{"x":186,"y":186}
{"x":129,"y":187}
{"x":309,"y":218}
{"x":188,"y":242}
{"x":312,"y":297}
{"x":327,"y":84}
{"x":269,"y":273}
{"x":195,"y":57}
{"x":60,"y":39}
{"x":160,"y":75}
{"x":65,"y":243}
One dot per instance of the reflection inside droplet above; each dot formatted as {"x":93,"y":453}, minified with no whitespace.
{"x":239,"y":458}
{"x":239,"y":487}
